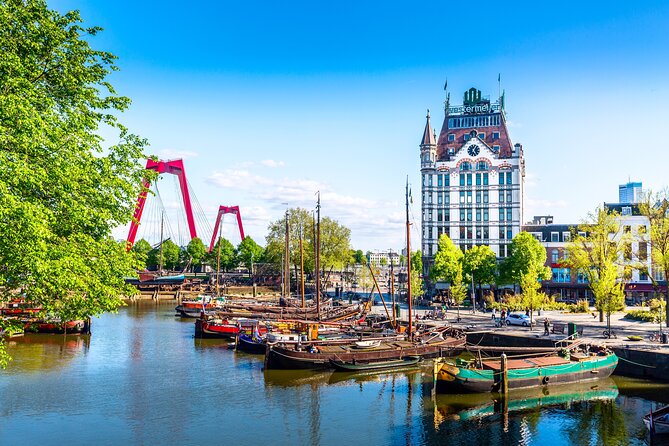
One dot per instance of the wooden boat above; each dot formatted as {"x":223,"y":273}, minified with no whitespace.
{"x":523,"y":373}
{"x":57,"y":327}
{"x":250,"y":344}
{"x":226,"y":328}
{"x":375,"y":365}
{"x":657,"y":421}
{"x":318,"y":355}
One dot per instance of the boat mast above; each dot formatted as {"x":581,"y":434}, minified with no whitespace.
{"x":286,"y":257}
{"x":160,"y":261}
{"x":301,"y":268}
{"x":392,"y":287}
{"x":318,"y":255}
{"x":408,"y":226}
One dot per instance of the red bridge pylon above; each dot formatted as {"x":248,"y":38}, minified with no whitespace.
{"x":174,"y":167}
{"x":222,"y":210}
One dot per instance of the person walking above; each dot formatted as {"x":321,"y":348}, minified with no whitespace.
{"x":547,"y":324}
{"x":494,"y":313}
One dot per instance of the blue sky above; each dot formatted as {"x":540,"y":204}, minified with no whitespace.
{"x":269,"y":102}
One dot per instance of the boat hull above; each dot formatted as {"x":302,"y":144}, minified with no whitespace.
{"x":377,"y":365}
{"x":452,"y":379}
{"x":205,"y":329}
{"x":282,"y":357}
{"x":247,"y":344}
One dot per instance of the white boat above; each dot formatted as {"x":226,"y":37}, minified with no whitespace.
{"x":367,"y":344}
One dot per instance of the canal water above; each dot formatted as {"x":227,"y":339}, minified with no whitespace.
{"x":142,"y":379}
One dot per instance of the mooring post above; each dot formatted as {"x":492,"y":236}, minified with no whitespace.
{"x":505,"y":376}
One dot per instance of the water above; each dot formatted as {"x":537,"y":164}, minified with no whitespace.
{"x":142,"y":378}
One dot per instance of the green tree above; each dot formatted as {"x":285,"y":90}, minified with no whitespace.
{"x":598,"y":251}
{"x":61,"y":191}
{"x":249,"y":252}
{"x":417,"y":285}
{"x":655,"y":206}
{"x":196,"y":251}
{"x":359,"y":257}
{"x":448,"y":267}
{"x":383,"y":261}
{"x":335,"y":244}
{"x":141,"y":250}
{"x":228,"y":255}
{"x":526,"y":253}
{"x":170,"y":255}
{"x":532,"y":298}
{"x":481,"y":263}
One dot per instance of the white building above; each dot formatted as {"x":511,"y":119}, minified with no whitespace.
{"x":472,"y":178}
{"x":389,"y":257}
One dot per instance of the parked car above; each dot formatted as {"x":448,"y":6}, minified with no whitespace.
{"x":518,"y":319}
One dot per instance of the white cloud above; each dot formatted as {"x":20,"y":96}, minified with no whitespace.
{"x":272,"y":163}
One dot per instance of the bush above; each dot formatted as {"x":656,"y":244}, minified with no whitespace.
{"x":641,"y":315}
{"x":581,"y":307}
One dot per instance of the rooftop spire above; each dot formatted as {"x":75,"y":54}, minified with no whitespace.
{"x":428,"y":133}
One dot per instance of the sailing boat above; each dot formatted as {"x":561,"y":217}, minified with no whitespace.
{"x":408,"y":226}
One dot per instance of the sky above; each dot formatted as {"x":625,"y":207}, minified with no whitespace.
{"x":269,"y":102}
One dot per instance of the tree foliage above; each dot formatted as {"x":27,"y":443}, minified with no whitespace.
{"x":249,"y":252}
{"x":196,"y":251}
{"x":597,"y":251}
{"x":417,"y":289}
{"x":480,"y":262}
{"x":655,"y":206}
{"x":447,"y":261}
{"x":532,"y":298}
{"x":526,"y":254}
{"x":61,"y":191}
{"x":359,"y":257}
{"x":228,"y":255}
{"x":141,"y":250}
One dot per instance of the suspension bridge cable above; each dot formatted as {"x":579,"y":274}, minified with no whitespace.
{"x":200,"y":214}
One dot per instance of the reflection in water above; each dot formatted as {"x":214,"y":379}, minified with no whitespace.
{"x":41,"y":352}
{"x":142,"y":378}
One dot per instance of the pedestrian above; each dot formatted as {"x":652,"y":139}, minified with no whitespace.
{"x":527,"y":312}
{"x":502,"y":315}
{"x":547,"y":324}
{"x":494,"y":313}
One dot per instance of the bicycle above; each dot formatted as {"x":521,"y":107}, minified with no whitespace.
{"x":655,"y":337}
{"x":609,"y":334}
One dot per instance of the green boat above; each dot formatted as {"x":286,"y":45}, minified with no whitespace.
{"x":376,"y":365}
{"x":486,"y":375}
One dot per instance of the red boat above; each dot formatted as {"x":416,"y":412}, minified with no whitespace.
{"x":19,"y":307}
{"x":71,"y":327}
{"x":226,"y":328}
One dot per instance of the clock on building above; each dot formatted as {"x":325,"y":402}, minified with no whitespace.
{"x":473,"y":150}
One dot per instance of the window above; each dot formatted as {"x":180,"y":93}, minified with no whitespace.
{"x":429,"y":180}
{"x":478,"y":233}
{"x":554,"y":255}
{"x":469,"y":214}
{"x":485,"y":179}
{"x":469,"y":197}
{"x":501,"y":214}
{"x":642,"y":230}
{"x":566,"y":237}
{"x":502,"y":234}
{"x":462,"y":179}
{"x":447,"y":215}
{"x":509,"y":178}
{"x":509,"y":214}
{"x":478,"y":196}
{"x":451,"y":137}
{"x":469,"y":233}
{"x":429,"y":198}
{"x":467,"y":137}
{"x":486,"y":232}
{"x":501,"y":196}
{"x":485,"y":214}
{"x":469,"y":179}
{"x":462,"y":232}
{"x":495,"y":135}
{"x":481,"y":165}
{"x":627,"y":229}
{"x":462,"y":215}
{"x":643,"y":251}
{"x":626,"y":210}
{"x":451,"y":151}
{"x":561,"y":275}
{"x":478,"y":179}
{"x":581,"y":278}
{"x":440,"y":199}
{"x":501,"y":178}
{"x":643,"y":275}
{"x":462,"y":197}
{"x":627,"y":251}
{"x":424,"y":180}
{"x":495,"y":149}
{"x":581,"y":234}
{"x":485,"y":196}
{"x":440,"y":180}
{"x":537,"y":235}
{"x":509,"y":232}
{"x":478,"y":215}
{"x":555,"y":236}
{"x":440,"y":215}
{"x":509,"y":196}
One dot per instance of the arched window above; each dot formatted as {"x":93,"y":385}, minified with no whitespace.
{"x":466,"y":166}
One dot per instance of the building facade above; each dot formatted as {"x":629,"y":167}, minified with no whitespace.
{"x":472,"y":178}
{"x":630,"y":192}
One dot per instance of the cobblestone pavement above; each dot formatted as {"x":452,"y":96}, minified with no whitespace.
{"x":593,"y":329}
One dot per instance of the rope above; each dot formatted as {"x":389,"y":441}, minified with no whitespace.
{"x":636,"y":363}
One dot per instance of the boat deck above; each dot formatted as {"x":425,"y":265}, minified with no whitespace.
{"x":513,"y":364}
{"x":348,"y":347}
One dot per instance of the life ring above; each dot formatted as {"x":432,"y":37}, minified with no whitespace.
{"x":545,"y":380}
